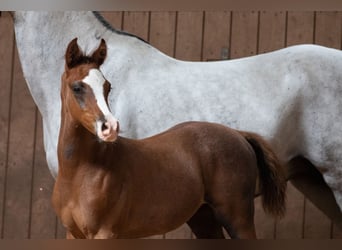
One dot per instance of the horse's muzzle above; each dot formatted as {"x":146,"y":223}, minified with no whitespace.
{"x":107,"y":129}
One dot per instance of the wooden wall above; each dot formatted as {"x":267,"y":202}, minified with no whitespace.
{"x":25,"y":182}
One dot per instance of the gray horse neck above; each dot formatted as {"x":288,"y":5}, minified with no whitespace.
{"x":47,"y":47}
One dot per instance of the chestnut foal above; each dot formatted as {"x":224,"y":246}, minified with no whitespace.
{"x":114,"y":187}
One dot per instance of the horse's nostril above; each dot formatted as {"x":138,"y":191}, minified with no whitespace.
{"x":104,"y":127}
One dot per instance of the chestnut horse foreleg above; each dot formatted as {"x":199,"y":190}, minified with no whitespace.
{"x":204,"y":224}
{"x":309,"y":181}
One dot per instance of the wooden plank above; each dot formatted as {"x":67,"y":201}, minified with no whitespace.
{"x":43,"y":216}
{"x":272,"y":31}
{"x":137,"y":23}
{"x":20,"y":158}
{"x":189,"y":36}
{"x":114,"y":18}
{"x":216,"y":37}
{"x":328,"y":29}
{"x":244,"y":35}
{"x":300,"y":26}
{"x":162,"y":31}
{"x":6,"y":60}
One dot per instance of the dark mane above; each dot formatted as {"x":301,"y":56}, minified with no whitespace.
{"x":110,"y":27}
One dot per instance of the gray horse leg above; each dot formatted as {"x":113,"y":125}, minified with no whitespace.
{"x":309,"y":181}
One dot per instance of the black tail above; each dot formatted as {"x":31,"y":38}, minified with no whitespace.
{"x":271,"y":175}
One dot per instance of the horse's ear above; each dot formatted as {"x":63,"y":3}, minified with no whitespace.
{"x":73,"y":54}
{"x":100,"y":53}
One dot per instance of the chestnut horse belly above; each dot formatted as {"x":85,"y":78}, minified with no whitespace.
{"x":161,"y":204}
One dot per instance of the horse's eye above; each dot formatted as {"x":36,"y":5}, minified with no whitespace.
{"x":77,"y":88}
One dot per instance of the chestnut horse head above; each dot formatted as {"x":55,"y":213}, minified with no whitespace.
{"x":85,"y":91}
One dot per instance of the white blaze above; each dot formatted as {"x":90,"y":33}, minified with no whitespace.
{"x":96,"y":81}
